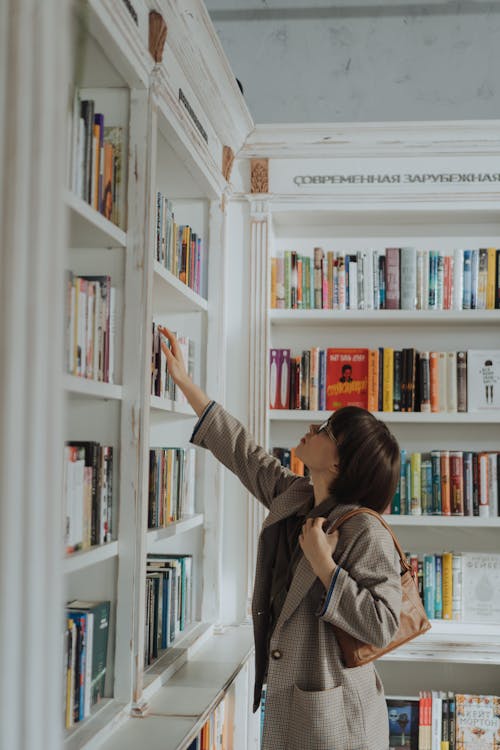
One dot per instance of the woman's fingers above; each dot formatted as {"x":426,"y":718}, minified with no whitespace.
{"x":173,"y":340}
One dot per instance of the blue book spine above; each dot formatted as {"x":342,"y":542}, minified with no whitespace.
{"x":427,"y":487}
{"x":396,"y":500}
{"x":436,"y":483}
{"x":322,"y":380}
{"x":80,"y":622}
{"x":429,"y":586}
{"x":438,"y":600}
{"x":164,"y":613}
{"x":402,"y":483}
{"x":433,"y":275}
{"x":467,"y":290}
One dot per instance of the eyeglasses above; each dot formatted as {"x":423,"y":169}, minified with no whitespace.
{"x":325,"y":427}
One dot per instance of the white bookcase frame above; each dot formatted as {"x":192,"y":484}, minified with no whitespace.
{"x":311,"y":215}
{"x":150,"y":291}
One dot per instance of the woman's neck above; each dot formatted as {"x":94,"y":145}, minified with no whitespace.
{"x":321,"y":487}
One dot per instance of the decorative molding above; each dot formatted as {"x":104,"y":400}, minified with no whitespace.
{"x":259,"y":179}
{"x":227,"y":162}
{"x":334,"y":140}
{"x":157,"y":35}
{"x":258,"y":369}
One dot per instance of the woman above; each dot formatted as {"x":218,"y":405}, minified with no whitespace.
{"x":307,"y":580}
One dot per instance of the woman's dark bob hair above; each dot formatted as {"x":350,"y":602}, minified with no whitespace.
{"x":369,"y":459}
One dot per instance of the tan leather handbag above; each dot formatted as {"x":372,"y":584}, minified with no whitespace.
{"x":413,"y":620}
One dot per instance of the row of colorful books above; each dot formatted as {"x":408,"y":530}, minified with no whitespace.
{"x":453,"y":585}
{"x":96,"y":159}
{"x":168,"y":601}
{"x":162,"y":384}
{"x":435,"y":483}
{"x":213,"y":734}
{"x":385,"y":379}
{"x":85,"y":658}
{"x":180,"y":250}
{"x":442,"y":720}
{"x":443,"y":482}
{"x":171,"y":485}
{"x":90,"y":327}
{"x":397,"y":278}
{"x":88,"y":494}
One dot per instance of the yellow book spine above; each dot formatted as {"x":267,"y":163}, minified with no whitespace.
{"x":274,"y":270}
{"x":388,"y":401}
{"x":373,"y":380}
{"x":447,"y":586}
{"x":415,"y":490}
{"x":490,"y":283}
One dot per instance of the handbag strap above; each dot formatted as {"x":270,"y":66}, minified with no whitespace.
{"x":402,"y":557}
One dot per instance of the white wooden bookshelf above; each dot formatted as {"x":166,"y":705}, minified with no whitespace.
{"x":89,"y":228}
{"x":332,"y":318}
{"x":84,"y":558}
{"x":303,"y":415}
{"x":171,"y":407}
{"x":444,"y":522}
{"x":179,"y":297}
{"x":348,"y":217}
{"x":165,"y":152}
{"x":92,"y":388}
{"x":173,"y":529}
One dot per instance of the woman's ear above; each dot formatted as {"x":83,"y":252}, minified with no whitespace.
{"x":334,"y":469}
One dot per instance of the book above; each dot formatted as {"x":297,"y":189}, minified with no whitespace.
{"x":346,"y":378}
{"x":403,"y":715}
{"x":477,"y":722}
{"x":481,"y":587}
{"x":483,"y":379}
{"x":99,"y":612}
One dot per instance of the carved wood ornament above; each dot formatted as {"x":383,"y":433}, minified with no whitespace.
{"x":259,"y":180}
{"x":157,"y":35}
{"x":227,"y":162}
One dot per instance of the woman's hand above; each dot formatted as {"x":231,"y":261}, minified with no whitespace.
{"x":177,"y":369}
{"x":318,"y":547}
{"x":175,"y":361}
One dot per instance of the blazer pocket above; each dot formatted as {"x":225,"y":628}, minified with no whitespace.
{"x":317,"y":720}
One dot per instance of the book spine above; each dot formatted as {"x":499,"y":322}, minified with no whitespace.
{"x":462,"y":381}
{"x":388,"y":391}
{"x":425,"y":385}
{"x":438,"y":606}
{"x":440,"y":282}
{"x":373,"y":378}
{"x":457,"y":483}
{"x":392,"y":282}
{"x":490,"y":278}
{"x":415,"y":495}
{"x":456,"y":586}
{"x":451,"y":381}
{"x":408,"y":278}
{"x":429,"y":585}
{"x":318,"y":277}
{"x":397,"y":380}
{"x":458,"y":279}
{"x":467,"y":483}
{"x":436,"y":483}
{"x":445,"y":483}
{"x":484,"y":504}
{"x":404,"y":489}
{"x":434,"y":381}
{"x":447,"y":573}
{"x":474,"y":278}
{"x":426,"y":486}
{"x":467,"y":281}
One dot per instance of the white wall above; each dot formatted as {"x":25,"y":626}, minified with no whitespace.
{"x":349,"y":61}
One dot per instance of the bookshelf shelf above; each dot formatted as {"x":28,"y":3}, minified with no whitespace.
{"x":329,"y":318}
{"x":92,"y":556}
{"x":174,"y":529}
{"x":455,"y":642}
{"x":180,"y":298}
{"x":172,"y":407}
{"x":172,"y":659}
{"x":472,"y":522}
{"x":88,"y":228}
{"x":92,"y":388}
{"x":105,"y":717}
{"x":179,"y":709}
{"x":298,"y":415}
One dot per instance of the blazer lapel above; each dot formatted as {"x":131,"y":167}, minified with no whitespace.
{"x":304,"y":576}
{"x":287,"y":504}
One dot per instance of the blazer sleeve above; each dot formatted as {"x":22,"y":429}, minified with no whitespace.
{"x":227,"y":439}
{"x":364,"y":597}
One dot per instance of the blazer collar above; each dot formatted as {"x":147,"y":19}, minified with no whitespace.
{"x":304,"y":576}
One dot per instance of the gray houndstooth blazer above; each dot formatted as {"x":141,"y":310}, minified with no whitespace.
{"x":313,"y":702}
